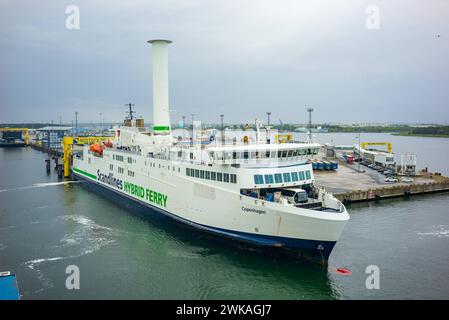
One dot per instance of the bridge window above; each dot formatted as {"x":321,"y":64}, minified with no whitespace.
{"x":202,"y":174}
{"x":301,"y":175}
{"x":225,"y":177}
{"x":287,"y":177}
{"x":208,"y":175}
{"x":279,"y":153}
{"x":233,"y":178}
{"x":295,"y":153}
{"x":245,"y":155}
{"x":269,"y":179}
{"x":213,"y":176}
{"x":267,"y":154}
{"x":188,"y":172}
{"x":308,"y":174}
{"x":294,"y":176}
{"x":197,"y":173}
{"x":290,"y":153}
{"x":234,"y":155}
{"x":258,"y":179}
{"x":219,"y":176}
{"x":278,"y":178}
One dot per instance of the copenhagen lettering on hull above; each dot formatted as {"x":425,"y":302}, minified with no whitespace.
{"x":146,"y":194}
{"x":244,"y":209}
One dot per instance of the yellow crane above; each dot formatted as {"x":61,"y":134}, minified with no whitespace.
{"x":27,"y":136}
{"x":68,"y":142}
{"x":388,"y":144}
{"x":283,"y":138}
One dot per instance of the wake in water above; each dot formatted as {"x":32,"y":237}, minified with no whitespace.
{"x":440,"y":231}
{"x":40,"y":185}
{"x":87,"y":237}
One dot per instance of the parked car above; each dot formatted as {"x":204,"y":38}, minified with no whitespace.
{"x":388,"y":172}
{"x":391,"y":179}
{"x":407,"y":180}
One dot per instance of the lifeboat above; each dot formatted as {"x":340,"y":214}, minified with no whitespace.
{"x":96,"y":148}
{"x":108,"y":144}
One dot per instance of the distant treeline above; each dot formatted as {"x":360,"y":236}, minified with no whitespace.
{"x":395,"y":129}
{"x":26,"y":125}
{"x":443,"y":130}
{"x":388,"y":128}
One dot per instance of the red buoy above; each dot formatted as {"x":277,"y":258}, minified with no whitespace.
{"x":344,"y":271}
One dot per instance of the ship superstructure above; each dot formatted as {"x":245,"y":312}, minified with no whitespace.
{"x":251,"y":190}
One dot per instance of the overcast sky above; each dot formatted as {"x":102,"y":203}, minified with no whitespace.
{"x":239,"y":58}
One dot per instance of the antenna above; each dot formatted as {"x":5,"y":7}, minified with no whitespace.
{"x":130,"y":112}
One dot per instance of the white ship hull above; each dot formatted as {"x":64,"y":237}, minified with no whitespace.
{"x":221,"y":211}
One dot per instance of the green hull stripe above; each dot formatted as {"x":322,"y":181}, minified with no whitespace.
{"x":161,"y":128}
{"x":87,"y":174}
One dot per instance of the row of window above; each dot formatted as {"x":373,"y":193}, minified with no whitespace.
{"x":285,"y":177}
{"x":292,"y":153}
{"x":211,"y":175}
{"x":121,"y":158}
{"x":130,"y":173}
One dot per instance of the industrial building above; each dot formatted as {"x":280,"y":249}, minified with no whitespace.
{"x":51,"y":137}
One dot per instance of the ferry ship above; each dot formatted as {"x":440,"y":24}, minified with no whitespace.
{"x":254,"y":191}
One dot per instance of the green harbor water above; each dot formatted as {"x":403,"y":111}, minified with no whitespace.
{"x":47,"y":225}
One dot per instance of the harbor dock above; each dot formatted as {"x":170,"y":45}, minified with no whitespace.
{"x":349,"y":185}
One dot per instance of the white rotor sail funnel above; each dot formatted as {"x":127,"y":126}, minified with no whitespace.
{"x":161,"y":115}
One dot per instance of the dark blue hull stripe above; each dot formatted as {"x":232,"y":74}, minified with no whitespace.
{"x":320,"y":248}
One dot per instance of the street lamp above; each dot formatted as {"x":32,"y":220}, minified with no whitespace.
{"x":191,"y":138}
{"x":310,"y":110}
{"x":222,"y":130}
{"x":76,"y":123}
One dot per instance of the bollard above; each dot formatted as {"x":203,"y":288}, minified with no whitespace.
{"x":59,"y":171}
{"x":48,"y":165}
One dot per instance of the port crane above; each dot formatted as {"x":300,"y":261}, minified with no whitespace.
{"x":388,"y":144}
{"x":27,"y":136}
{"x":68,"y":142}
